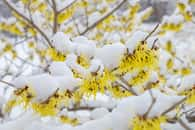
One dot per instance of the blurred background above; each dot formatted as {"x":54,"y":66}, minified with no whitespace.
{"x":161,"y":8}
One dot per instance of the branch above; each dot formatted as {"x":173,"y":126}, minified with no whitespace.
{"x":33,"y":25}
{"x":85,"y":108}
{"x":86,"y":15}
{"x":10,"y":84}
{"x":61,"y":10}
{"x":174,"y":106}
{"x":151,"y":105}
{"x":150,"y":34}
{"x":184,"y":125}
{"x":124,"y":83}
{"x":103,"y":18}
{"x":55,"y":21}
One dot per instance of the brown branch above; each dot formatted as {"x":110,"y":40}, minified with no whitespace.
{"x":84,"y":108}
{"x":130,"y":89}
{"x":151,"y":105}
{"x":184,"y":125}
{"x":10,"y":84}
{"x":31,"y":23}
{"x":86,"y":15}
{"x":103,"y":18}
{"x":61,"y":10}
{"x":174,"y":106}
{"x":55,"y":21}
{"x":76,"y":25}
{"x":150,"y":34}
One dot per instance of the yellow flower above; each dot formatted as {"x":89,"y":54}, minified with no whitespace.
{"x":134,"y":9}
{"x":22,"y":96}
{"x":31,"y":44}
{"x":8,"y":47}
{"x":171,"y":27}
{"x":140,"y":78}
{"x":140,"y":123}
{"x":147,"y":14}
{"x":169,"y":46}
{"x":56,"y":55}
{"x":46,"y":109}
{"x":65,"y":15}
{"x":83,"y":61}
{"x":52,"y":105}
{"x":67,"y":120}
{"x":143,"y":57}
{"x":97,"y":83}
{"x":14,"y":54}
{"x":190,"y":96}
{"x":186,"y":71}
{"x":170,"y":64}
{"x":42,"y":7}
{"x":188,"y":16}
{"x":191,"y":1}
{"x":117,"y":92}
{"x":181,"y":7}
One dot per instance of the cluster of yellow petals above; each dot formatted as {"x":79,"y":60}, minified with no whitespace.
{"x":11,"y":28}
{"x":22,"y":96}
{"x":68,"y":120}
{"x":52,"y":105}
{"x":95,"y":83}
{"x":142,"y":58}
{"x":140,"y":123}
{"x":55,"y":55}
{"x":190,"y":96}
{"x":183,"y":10}
{"x":140,"y":78}
{"x":118,"y":92}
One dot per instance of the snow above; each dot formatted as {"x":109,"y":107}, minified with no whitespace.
{"x":61,"y":42}
{"x":99,"y":113}
{"x":110,"y":55}
{"x":47,"y":85}
{"x":137,"y":37}
{"x":187,"y":82}
{"x":60,"y":68}
{"x":108,"y":113}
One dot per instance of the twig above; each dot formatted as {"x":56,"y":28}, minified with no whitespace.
{"x":31,"y":23}
{"x":124,"y":83}
{"x":86,"y":15}
{"x":76,"y":25}
{"x":10,"y":84}
{"x":150,"y":34}
{"x":55,"y":20}
{"x":103,"y":18}
{"x":174,"y":106}
{"x":84,"y":108}
{"x":184,"y":125}
{"x":61,"y":10}
{"x":151,"y":105}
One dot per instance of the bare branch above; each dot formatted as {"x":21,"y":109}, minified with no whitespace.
{"x":10,"y":84}
{"x":31,"y":23}
{"x":184,"y":125}
{"x":55,"y":21}
{"x":151,"y":105}
{"x":86,"y":15}
{"x":174,"y":106}
{"x":61,"y":10}
{"x":150,"y":34}
{"x":123,"y":83}
{"x":76,"y":25}
{"x":103,"y":18}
